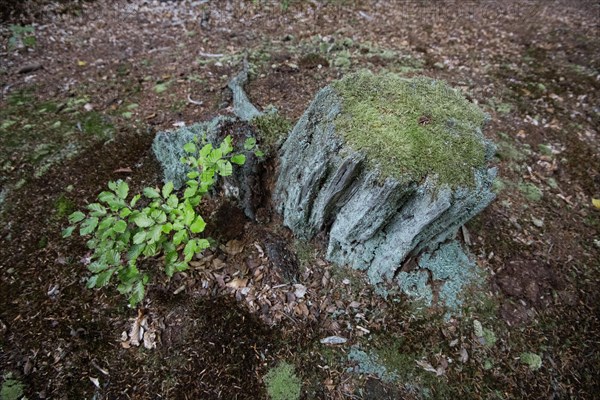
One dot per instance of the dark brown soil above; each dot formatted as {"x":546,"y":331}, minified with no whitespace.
{"x":535,"y":67}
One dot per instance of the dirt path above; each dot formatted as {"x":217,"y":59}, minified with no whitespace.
{"x":81,"y":105}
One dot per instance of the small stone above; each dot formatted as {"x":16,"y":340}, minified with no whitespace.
{"x":537,"y":222}
{"x":30,"y":68}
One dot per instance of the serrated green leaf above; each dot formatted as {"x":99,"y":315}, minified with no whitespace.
{"x":120,"y":226}
{"x":104,"y":277}
{"x":151,"y":193}
{"x":167,"y":228}
{"x":122,"y":189}
{"x":225,"y":168}
{"x":189,"y":214}
{"x":198,"y":225}
{"x":68,"y":231}
{"x":193,"y":174}
{"x":155,"y":233}
{"x":205,"y":151}
{"x":124,"y":287}
{"x":160,"y":217}
{"x":170,"y":269}
{"x":125,"y":212}
{"x":150,"y":250}
{"x":179,"y":237}
{"x":208,"y":175}
{"x":134,"y":200}
{"x":259,"y":153}
{"x":191,"y":161}
{"x":143,"y":221}
{"x":226,"y":146}
{"x":137,"y":294}
{"x":189,"y":147}
{"x":139,"y":237}
{"x":88,"y":226}
{"x":167,"y":189}
{"x":76,"y":217}
{"x":171,"y":257}
{"x":135,"y":251}
{"x":107,"y":234}
{"x":238,"y":159}
{"x":190,"y":191}
{"x":214,"y":156}
{"x":97,"y":210}
{"x":249,"y":143}
{"x":106,"y":196}
{"x":96,"y":267}
{"x":112,"y":186}
{"x":106,"y":223}
{"x":124,"y":239}
{"x":113,"y":257}
{"x":201,"y":245}
{"x":173,"y":201}
{"x":130,"y":273}
{"x":91,"y":283}
{"x":182,"y":266}
{"x":189,"y":250}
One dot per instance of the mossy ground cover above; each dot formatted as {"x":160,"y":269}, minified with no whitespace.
{"x":411,"y":128}
{"x":36,"y":134}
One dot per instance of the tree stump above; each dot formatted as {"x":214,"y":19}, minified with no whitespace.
{"x":385,"y":167}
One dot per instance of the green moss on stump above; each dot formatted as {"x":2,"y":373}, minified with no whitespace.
{"x":411,"y":128}
{"x":271,"y":127}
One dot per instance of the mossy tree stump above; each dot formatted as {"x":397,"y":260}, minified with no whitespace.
{"x":385,"y":167}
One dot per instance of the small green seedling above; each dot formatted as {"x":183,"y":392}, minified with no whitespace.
{"x":157,"y":222}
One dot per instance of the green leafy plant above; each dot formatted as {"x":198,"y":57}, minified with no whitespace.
{"x":21,"y":34}
{"x":283,"y":383}
{"x":154,"y":223}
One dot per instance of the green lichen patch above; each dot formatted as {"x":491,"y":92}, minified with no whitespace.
{"x":369,"y":363}
{"x":412,"y":128}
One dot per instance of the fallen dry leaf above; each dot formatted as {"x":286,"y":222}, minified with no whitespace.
{"x":237,"y":283}
{"x":233,"y":247}
{"x":300,"y":290}
{"x":426,"y":366}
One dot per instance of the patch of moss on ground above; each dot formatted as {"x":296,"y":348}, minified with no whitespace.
{"x":63,"y":206}
{"x":411,"y":128}
{"x":36,"y":135}
{"x":12,"y":389}
{"x":531,"y":191}
{"x":283,"y":383}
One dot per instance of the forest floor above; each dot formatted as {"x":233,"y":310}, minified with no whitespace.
{"x":83,"y":94}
